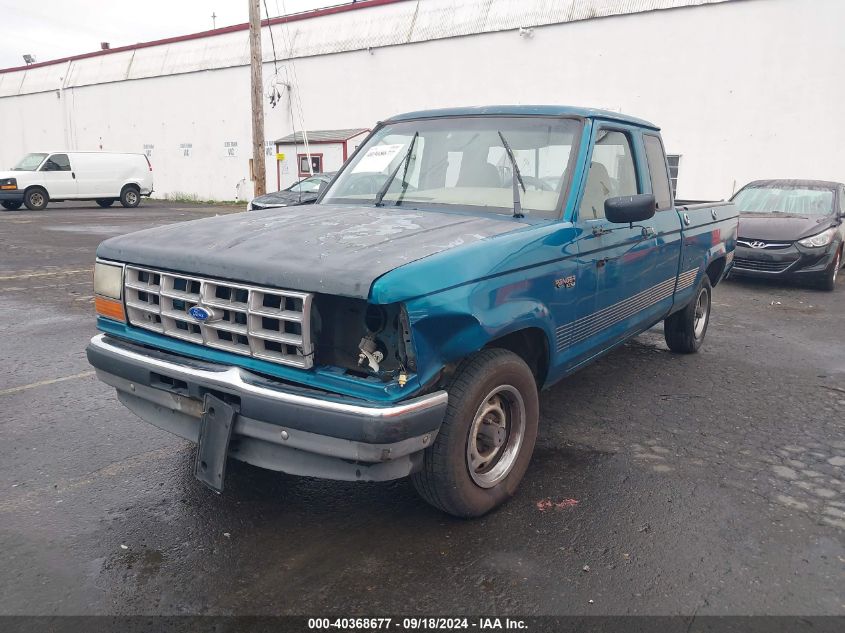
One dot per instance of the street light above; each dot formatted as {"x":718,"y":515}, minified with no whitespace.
{"x":29,"y":59}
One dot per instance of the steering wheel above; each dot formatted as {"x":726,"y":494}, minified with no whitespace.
{"x":537,"y":183}
{"x":362,"y":184}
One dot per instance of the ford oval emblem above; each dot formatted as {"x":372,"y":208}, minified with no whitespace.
{"x":200,"y":313}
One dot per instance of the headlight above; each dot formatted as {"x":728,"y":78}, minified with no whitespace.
{"x":8,"y":183}
{"x":822,"y":239}
{"x":108,"y":280}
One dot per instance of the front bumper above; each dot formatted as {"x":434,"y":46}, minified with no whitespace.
{"x":11,"y":195}
{"x":793,"y":261}
{"x":279,"y":426}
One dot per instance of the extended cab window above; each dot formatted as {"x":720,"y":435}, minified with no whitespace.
{"x":612,"y":173}
{"x":657,"y":171}
{"x":56,"y":162}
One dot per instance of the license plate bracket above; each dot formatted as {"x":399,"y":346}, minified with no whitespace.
{"x":218,"y":419}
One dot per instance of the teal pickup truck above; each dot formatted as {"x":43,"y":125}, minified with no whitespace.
{"x":461,"y":261}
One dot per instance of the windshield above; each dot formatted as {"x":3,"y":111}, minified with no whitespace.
{"x":781,"y":198}
{"x":309,"y":185}
{"x":461,"y":162}
{"x":30,"y":162}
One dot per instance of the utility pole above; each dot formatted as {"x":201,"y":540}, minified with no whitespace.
{"x":213,"y":20}
{"x":258,"y":171}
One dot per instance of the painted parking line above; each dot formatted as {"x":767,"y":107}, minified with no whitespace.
{"x":46,"y":274}
{"x":42,"y":383}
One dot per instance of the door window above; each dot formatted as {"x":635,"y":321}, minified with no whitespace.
{"x":611,"y":174}
{"x":56,"y":162}
{"x":657,"y":171}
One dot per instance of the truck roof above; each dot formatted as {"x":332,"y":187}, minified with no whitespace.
{"x":525,"y":110}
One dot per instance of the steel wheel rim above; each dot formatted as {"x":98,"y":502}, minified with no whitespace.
{"x":36,"y":199}
{"x":495,"y":436}
{"x":131,"y":197}
{"x":701,"y":310}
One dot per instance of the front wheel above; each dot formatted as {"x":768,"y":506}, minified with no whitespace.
{"x":36,"y":199}
{"x":684,"y":331}
{"x":130,"y":197}
{"x":11,"y":205}
{"x":828,"y":281}
{"x":487,"y":437}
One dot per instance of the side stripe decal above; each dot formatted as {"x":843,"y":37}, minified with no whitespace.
{"x":581,"y":329}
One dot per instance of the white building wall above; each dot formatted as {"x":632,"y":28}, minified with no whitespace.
{"x":743,"y":89}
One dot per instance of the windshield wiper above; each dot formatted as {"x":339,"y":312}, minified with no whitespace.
{"x":517,"y":177}
{"x":405,"y":161}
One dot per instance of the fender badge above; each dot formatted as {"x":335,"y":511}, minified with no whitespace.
{"x":565,"y":282}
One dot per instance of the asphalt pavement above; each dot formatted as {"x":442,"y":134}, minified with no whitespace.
{"x":662,"y":484}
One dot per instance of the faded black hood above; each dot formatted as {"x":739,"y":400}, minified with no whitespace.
{"x":774,"y":227}
{"x":335,"y":249}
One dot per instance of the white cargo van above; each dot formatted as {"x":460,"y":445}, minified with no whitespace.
{"x":106,"y":177}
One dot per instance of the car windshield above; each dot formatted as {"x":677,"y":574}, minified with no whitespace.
{"x":309,"y":185}
{"x":794,"y":199}
{"x":461,"y":162}
{"x":30,"y":162}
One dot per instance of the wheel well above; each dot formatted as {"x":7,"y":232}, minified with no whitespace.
{"x":31,"y":187}
{"x":715,"y":270}
{"x":531,"y":345}
{"x":129,"y":185}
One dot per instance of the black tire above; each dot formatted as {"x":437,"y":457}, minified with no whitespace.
{"x":683,"y":331}
{"x":130,"y":197}
{"x":36,"y":198}
{"x":447,"y":481}
{"x":828,"y":281}
{"x":11,"y":205}
{"x":107,"y":203}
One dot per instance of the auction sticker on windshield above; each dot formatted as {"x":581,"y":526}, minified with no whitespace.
{"x":377,"y":158}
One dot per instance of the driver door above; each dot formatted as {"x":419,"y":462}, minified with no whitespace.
{"x":58,"y":177}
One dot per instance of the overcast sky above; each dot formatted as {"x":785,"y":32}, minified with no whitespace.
{"x":49,"y":29}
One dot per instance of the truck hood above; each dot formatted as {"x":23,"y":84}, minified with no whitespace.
{"x":774,"y":227}
{"x":333,"y":249}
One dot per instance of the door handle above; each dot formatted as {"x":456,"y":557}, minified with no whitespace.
{"x":73,"y":173}
{"x":648,"y":231}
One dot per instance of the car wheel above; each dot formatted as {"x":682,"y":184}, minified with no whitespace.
{"x":35,"y":199}
{"x":106,"y":203}
{"x":684,"y":331}
{"x":487,"y":437}
{"x":130,"y":197}
{"x":11,"y":205}
{"x":828,"y":281}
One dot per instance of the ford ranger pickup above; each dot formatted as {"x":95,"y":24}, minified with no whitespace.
{"x":459,"y":262}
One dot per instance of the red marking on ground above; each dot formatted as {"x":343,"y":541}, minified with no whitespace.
{"x":548,"y":504}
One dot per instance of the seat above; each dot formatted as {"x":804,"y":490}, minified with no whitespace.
{"x":598,"y":190}
{"x":477,"y":174}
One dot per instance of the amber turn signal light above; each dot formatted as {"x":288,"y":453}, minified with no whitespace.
{"x":109,"y":308}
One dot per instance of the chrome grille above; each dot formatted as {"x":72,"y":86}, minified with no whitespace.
{"x":742,"y":263}
{"x":264,"y":323}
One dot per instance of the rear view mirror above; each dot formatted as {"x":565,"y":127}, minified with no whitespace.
{"x":628,"y":209}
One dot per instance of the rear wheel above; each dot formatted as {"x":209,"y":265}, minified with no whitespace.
{"x":828,"y":281}
{"x":684,"y":331}
{"x":130,"y":197}
{"x":487,"y":437}
{"x":11,"y":205}
{"x":105,"y":203}
{"x":36,"y":199}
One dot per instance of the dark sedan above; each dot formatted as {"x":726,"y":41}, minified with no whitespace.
{"x":303,"y":192}
{"x":790,"y":229}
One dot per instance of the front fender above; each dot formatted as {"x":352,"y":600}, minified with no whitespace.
{"x":449,"y":326}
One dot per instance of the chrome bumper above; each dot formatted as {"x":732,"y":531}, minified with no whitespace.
{"x":279,"y":426}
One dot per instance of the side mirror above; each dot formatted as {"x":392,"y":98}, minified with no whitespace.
{"x":628,"y":209}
